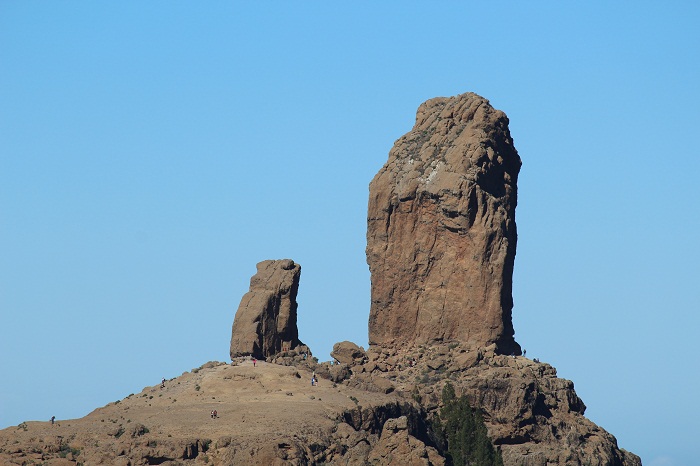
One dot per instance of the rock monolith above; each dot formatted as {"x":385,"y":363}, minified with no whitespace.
{"x":266,"y":319}
{"x":441,"y":230}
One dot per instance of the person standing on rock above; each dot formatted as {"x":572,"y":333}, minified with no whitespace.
{"x":53,"y":419}
{"x":254,"y":361}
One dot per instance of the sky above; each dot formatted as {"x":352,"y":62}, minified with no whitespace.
{"x":151,"y":153}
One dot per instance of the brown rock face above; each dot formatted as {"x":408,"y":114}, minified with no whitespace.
{"x":398,"y":446}
{"x":441,"y":232}
{"x":533,"y":417}
{"x":266,"y":320}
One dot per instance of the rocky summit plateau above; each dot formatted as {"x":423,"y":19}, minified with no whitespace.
{"x":442,"y":368}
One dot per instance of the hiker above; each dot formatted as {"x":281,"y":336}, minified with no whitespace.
{"x":216,"y":414}
{"x":162,"y":383}
{"x":524,"y":353}
{"x":254,"y":361}
{"x":212,"y":414}
{"x":53,"y":419}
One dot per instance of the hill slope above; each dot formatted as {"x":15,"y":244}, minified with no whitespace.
{"x":377,"y":412}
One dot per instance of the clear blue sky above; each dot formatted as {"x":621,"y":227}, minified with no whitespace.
{"x":151,"y":153}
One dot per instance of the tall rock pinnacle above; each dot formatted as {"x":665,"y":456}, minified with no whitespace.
{"x":266,"y":319}
{"x":441,"y":232}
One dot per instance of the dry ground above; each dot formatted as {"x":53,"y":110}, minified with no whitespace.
{"x":268,"y":401}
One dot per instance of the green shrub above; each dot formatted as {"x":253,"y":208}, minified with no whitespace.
{"x":65,"y":449}
{"x":464,"y":433}
{"x":415,"y":394}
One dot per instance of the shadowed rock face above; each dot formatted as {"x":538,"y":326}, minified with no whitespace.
{"x":441,"y":230}
{"x":266,"y":320}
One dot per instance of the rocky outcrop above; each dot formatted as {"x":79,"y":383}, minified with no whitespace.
{"x":533,"y":417}
{"x":441,"y":245}
{"x":271,"y":414}
{"x":398,"y":446}
{"x":441,"y":232}
{"x":266,"y":319}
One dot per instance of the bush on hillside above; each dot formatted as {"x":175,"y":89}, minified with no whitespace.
{"x":463,"y":432}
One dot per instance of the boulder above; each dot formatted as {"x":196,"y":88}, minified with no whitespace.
{"x":266,"y":319}
{"x":371,"y":383}
{"x":347,"y":352}
{"x":333,"y":372}
{"x":398,"y":446}
{"x":441,"y":232}
{"x":400,"y":423}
